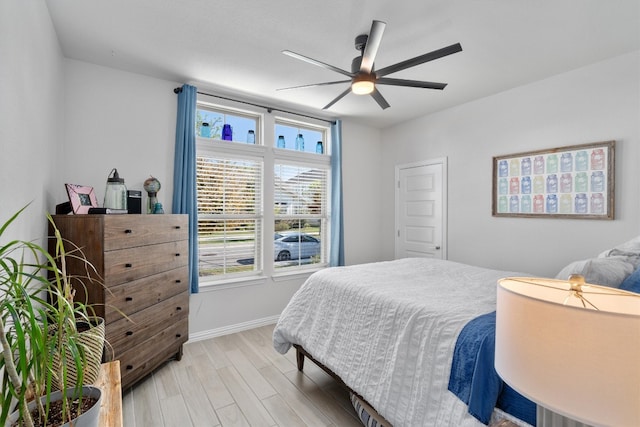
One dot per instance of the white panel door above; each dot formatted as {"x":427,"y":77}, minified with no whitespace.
{"x":421,"y":210}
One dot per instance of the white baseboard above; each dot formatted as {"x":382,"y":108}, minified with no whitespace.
{"x":232,"y":329}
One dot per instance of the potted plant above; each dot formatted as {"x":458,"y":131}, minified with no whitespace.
{"x":41,"y":345}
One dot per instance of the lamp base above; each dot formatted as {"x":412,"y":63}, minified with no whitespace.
{"x":547,"y":418}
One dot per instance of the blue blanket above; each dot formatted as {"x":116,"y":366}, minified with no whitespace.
{"x":474,"y":380}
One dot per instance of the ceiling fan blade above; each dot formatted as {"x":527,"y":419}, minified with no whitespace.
{"x":436,"y":54}
{"x":410,"y":83}
{"x":372,"y":46}
{"x":380,"y":99}
{"x":337,"y":98}
{"x":315,"y":84}
{"x":318,"y":63}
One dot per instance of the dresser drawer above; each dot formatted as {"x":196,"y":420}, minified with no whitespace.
{"x":130,"y":297}
{"x":138,"y":361}
{"x":139,"y":326}
{"x":127,"y":231}
{"x":125,"y":265}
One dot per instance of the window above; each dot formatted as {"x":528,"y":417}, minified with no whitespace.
{"x":300,"y":214}
{"x":262,"y":209}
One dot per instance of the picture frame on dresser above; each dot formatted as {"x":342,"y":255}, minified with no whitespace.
{"x":575,"y":181}
{"x":81,"y":198}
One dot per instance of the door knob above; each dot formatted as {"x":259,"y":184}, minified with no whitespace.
{"x":437,"y":248}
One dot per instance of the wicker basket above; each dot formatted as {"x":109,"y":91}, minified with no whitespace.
{"x":92,"y":340}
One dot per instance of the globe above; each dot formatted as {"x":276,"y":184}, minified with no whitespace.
{"x":151,"y":185}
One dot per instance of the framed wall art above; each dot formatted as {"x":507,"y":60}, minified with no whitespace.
{"x":575,"y":182}
{"x":81,"y":198}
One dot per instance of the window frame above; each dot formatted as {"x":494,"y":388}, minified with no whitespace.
{"x":266,"y":150}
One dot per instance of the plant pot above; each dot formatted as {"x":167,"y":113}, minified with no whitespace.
{"x":89,"y":418}
{"x":92,"y":339}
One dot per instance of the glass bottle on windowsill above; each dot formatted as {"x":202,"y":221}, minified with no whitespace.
{"x":299,"y":143}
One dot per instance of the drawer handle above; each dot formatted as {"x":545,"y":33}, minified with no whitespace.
{"x":129,"y":367}
{"x":127,"y":231}
{"x":128,"y":299}
{"x":178,"y":335}
{"x":177,"y":227}
{"x":178,"y":308}
{"x":178,"y":281}
{"x":177,"y":254}
{"x":129,"y":333}
{"x":128,"y":265}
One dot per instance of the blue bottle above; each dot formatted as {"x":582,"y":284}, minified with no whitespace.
{"x":205,"y":130}
{"x":227,"y":133}
{"x":319,"y":148}
{"x":299,"y":143}
{"x":281,"y":143}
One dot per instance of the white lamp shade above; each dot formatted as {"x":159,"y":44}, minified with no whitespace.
{"x":579,"y":362}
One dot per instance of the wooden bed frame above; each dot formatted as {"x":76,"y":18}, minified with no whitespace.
{"x":301,"y":353}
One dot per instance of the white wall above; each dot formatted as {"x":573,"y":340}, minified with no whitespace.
{"x":596,"y":103}
{"x":31,"y":97}
{"x":361,"y":163}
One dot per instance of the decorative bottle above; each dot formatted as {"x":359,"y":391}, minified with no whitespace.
{"x":299,"y":143}
{"x":281,"y":143}
{"x":319,"y":148}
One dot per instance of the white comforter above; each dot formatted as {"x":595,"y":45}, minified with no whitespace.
{"x":388,"y":329}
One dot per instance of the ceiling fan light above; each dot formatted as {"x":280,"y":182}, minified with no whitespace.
{"x":362,"y":86}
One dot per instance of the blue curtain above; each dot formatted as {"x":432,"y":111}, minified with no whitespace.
{"x":336,"y":252}
{"x":184,"y":174}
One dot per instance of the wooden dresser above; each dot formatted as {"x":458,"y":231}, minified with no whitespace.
{"x":141,"y":288}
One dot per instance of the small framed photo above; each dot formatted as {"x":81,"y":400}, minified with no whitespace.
{"x":575,"y":182}
{"x":81,"y":198}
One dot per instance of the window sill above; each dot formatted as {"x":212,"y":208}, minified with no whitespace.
{"x":287,"y":275}
{"x":212,"y":285}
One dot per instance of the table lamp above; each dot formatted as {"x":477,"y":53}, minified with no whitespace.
{"x":571,"y":347}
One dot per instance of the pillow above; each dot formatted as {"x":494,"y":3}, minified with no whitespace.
{"x":632,"y":282}
{"x":629,"y":249}
{"x":609,"y":271}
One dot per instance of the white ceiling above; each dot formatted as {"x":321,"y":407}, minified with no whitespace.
{"x":235,"y":46}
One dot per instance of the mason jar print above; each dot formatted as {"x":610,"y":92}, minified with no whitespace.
{"x":597,"y":203}
{"x":566,"y":183}
{"x":566,"y":162}
{"x":538,"y":165}
{"x":597,"y":181}
{"x":552,"y":203}
{"x":503,"y":204}
{"x":552,"y":183}
{"x":581,"y":206}
{"x":526,"y":185}
{"x":514,"y":185}
{"x":538,"y":203}
{"x":566,"y":203}
{"x":582,"y":161}
{"x":597,"y":158}
{"x":503,"y":168}
{"x":514,"y":167}
{"x":581,"y":182}
{"x":503,"y":186}
{"x":526,"y":166}
{"x":538,"y":184}
{"x":525,"y":204}
{"x":552,"y":163}
{"x":514,"y":204}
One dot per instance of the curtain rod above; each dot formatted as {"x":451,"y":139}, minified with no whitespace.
{"x":269,"y":109}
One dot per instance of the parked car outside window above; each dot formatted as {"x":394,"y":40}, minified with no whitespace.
{"x":295,"y":246}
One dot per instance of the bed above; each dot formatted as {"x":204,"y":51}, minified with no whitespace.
{"x":389,"y":330}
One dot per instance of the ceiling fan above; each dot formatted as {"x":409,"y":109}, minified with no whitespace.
{"x":364,"y":78}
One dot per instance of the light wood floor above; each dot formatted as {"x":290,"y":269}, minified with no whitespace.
{"x":237,"y":380}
